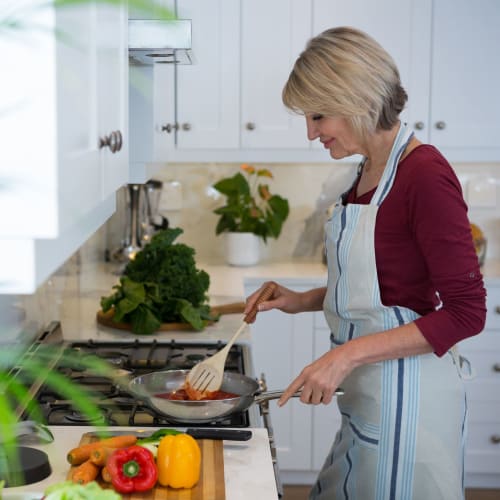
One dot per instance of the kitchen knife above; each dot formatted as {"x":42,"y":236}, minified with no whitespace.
{"x":197,"y":433}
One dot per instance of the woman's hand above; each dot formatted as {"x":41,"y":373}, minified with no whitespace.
{"x":321,"y":378}
{"x":287,"y":300}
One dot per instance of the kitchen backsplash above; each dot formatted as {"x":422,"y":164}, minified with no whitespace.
{"x":188,"y":200}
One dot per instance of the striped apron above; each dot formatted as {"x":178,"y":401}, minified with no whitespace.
{"x":403,"y":421}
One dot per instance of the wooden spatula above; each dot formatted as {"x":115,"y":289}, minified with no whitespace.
{"x":207,"y":375}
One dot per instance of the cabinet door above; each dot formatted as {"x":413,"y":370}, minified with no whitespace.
{"x":281,"y":347}
{"x":273,"y":35}
{"x":465,"y":107}
{"x":112,"y":87}
{"x":208,"y":89}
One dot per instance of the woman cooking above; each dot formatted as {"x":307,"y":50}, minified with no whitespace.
{"x":404,"y":285}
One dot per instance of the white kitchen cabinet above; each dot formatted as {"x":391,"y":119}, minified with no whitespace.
{"x":273,"y":34}
{"x":444,"y":49}
{"x":483,"y":395}
{"x":282,"y":345}
{"x":63,"y":113}
{"x":454,"y":101}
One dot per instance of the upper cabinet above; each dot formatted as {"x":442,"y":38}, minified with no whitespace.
{"x":208,"y":90}
{"x":273,"y":34}
{"x":228,"y":103}
{"x":454,"y":80}
{"x":64,"y":125}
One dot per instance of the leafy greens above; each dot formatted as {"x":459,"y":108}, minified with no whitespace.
{"x":161,"y":285}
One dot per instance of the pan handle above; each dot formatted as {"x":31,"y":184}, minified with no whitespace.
{"x":268,"y":395}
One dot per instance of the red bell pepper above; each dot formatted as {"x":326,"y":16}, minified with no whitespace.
{"x":132,"y":469}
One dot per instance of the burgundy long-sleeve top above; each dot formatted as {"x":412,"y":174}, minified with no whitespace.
{"x":424,"y":250}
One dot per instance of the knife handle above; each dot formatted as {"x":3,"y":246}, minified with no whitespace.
{"x":228,"y":434}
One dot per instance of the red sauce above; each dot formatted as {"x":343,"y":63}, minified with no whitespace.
{"x":181,"y":395}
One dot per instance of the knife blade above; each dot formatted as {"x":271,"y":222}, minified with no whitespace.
{"x":197,"y":433}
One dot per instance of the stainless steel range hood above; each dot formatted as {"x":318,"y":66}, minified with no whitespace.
{"x":152,"y":41}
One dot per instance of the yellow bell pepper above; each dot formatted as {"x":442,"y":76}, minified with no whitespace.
{"x":178,"y":461}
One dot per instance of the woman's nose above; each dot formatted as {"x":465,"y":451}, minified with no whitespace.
{"x":312,"y":129}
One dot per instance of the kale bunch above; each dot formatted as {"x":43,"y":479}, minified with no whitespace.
{"x":161,"y":285}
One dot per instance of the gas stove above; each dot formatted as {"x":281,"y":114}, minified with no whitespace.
{"x":130,"y":359}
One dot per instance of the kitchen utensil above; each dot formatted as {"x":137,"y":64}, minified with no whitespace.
{"x":148,"y":386}
{"x":210,"y":486}
{"x":207,"y":375}
{"x":197,"y":433}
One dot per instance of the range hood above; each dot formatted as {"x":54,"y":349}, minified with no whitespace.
{"x":152,"y":41}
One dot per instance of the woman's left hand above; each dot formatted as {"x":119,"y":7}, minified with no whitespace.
{"x":321,"y":378}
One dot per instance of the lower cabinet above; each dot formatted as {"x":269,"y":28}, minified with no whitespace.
{"x":283,"y":344}
{"x":482,"y":460}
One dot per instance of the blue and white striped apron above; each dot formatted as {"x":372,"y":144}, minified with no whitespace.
{"x":403,"y":421}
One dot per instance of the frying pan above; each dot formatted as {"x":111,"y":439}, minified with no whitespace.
{"x":146,"y":386}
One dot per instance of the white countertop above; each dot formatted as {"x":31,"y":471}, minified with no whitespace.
{"x":78,"y":310}
{"x":248,"y":470}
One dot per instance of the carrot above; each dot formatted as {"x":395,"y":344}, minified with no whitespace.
{"x":100,"y":455}
{"x":85,"y":472}
{"x":80,"y":454}
{"x":105,"y":474}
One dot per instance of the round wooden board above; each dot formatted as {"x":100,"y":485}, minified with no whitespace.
{"x":106,"y":318}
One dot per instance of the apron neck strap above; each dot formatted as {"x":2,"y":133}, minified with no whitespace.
{"x":403,"y":137}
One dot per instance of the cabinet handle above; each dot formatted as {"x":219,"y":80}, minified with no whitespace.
{"x":186,"y":127}
{"x":111,"y":141}
{"x":169,"y":127}
{"x":496,"y":367}
{"x":120,"y":140}
{"x":440,"y":125}
{"x":419,"y":125}
{"x":495,"y":439}
{"x":250,"y":126}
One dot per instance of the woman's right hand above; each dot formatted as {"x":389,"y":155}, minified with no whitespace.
{"x":284,"y":299}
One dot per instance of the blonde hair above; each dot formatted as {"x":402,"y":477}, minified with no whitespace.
{"x":344,"y":72}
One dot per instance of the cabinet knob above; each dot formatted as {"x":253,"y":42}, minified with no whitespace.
{"x":495,"y":439}
{"x":419,"y":125}
{"x":112,"y":141}
{"x":440,"y":125}
{"x":186,"y":127}
{"x":169,"y":127}
{"x":250,"y":126}
{"x":497,"y":309}
{"x":496,"y":367}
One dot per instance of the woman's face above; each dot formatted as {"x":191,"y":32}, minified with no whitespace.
{"x":334,"y":133}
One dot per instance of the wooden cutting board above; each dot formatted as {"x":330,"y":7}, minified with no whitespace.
{"x":106,"y":318}
{"x":209,"y":487}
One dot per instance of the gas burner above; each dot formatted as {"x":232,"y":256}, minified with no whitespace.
{"x":76,"y":417}
{"x":130,"y":359}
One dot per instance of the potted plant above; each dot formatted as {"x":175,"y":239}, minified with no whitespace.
{"x":251,"y":214}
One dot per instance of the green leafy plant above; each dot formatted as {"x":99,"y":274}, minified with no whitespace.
{"x":161,"y":285}
{"x":250,"y":207}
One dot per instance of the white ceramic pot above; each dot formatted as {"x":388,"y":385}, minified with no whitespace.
{"x":242,"y":249}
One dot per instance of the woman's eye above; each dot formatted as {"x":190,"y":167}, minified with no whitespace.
{"x":317,"y":117}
